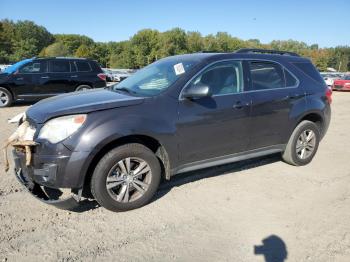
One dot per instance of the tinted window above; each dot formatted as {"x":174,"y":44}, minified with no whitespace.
{"x":310,"y":70}
{"x":34,"y":67}
{"x":266,"y":75}
{"x":222,"y":78}
{"x":73,"y":68}
{"x":290,"y":80}
{"x":59,"y":66}
{"x":83,"y":66}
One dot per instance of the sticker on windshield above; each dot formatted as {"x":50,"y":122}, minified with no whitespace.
{"x":179,"y":69}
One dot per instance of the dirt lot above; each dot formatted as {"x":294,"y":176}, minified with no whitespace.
{"x":217,"y":214}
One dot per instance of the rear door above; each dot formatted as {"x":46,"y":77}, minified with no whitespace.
{"x":218,"y":125}
{"x":58,"y":79}
{"x":274,"y":91}
{"x":84,"y":74}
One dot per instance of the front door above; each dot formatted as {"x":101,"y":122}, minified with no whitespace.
{"x":25,"y":80}
{"x":217,"y":125}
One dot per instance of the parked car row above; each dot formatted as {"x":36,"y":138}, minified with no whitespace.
{"x":337,"y":80}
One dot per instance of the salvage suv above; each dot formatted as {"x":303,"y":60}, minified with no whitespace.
{"x":37,"y":78}
{"x":178,"y":114}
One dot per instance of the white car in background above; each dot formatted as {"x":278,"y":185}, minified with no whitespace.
{"x":3,"y":67}
{"x":121,"y":74}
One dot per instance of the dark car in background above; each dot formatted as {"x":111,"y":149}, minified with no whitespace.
{"x":37,"y":78}
{"x":178,"y":114}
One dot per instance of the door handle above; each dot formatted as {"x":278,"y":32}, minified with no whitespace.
{"x":45,"y":77}
{"x":19,"y":79}
{"x":74,"y":76}
{"x":240,"y":105}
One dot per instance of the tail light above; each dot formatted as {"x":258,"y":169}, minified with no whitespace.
{"x":102,"y":76}
{"x":329,"y":95}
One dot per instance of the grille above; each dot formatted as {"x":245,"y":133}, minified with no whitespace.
{"x":338,"y":86}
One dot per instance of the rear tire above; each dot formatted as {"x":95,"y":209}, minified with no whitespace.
{"x":126,"y":178}
{"x":82,"y":88}
{"x":6,"y":98}
{"x":303,"y":144}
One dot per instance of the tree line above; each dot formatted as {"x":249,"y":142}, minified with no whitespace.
{"x":25,"y":39}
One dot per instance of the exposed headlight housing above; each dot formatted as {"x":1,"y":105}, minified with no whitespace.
{"x":58,"y":129}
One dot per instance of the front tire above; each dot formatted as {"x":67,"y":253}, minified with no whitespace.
{"x":126,"y":178}
{"x":5,"y":97}
{"x":303,"y":144}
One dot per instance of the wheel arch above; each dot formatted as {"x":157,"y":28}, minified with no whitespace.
{"x":150,"y":142}
{"x":9,"y":90}
{"x":313,"y":116}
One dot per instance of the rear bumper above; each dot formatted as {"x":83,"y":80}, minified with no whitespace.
{"x":28,"y":177}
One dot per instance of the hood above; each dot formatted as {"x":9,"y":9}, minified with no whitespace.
{"x":79,"y":103}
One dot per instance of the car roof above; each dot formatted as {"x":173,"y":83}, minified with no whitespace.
{"x":213,"y":56}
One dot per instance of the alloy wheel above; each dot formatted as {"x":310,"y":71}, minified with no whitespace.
{"x":306,"y":144}
{"x":4,"y":99}
{"x":129,"y":179}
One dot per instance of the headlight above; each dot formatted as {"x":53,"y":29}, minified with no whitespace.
{"x":58,"y":129}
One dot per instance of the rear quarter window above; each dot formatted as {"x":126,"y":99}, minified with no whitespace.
{"x":83,"y":66}
{"x":310,"y":70}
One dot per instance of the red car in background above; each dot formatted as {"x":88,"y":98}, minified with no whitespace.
{"x":342,"y":84}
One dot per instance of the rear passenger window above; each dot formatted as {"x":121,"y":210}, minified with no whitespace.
{"x":83,"y":66}
{"x":290,"y":80}
{"x":59,"y":66}
{"x":266,"y":75}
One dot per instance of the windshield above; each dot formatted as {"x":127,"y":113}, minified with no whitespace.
{"x":157,"y":77}
{"x":16,"y":66}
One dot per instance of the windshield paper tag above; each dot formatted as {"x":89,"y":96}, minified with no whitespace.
{"x":179,"y":69}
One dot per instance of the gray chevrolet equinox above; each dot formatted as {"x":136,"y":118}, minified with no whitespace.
{"x":178,"y":114}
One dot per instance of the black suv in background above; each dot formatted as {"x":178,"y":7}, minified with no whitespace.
{"x":37,"y":78}
{"x":178,"y":114}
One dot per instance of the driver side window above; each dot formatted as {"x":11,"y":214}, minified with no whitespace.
{"x":33,"y":67}
{"x":222,"y":78}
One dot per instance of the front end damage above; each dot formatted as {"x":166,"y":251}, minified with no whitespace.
{"x":38,"y":181}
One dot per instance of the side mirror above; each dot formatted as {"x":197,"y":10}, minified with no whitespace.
{"x":196,"y":91}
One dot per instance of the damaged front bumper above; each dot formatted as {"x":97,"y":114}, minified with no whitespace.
{"x":36,"y":181}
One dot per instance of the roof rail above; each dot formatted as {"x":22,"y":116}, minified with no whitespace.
{"x":60,"y":57}
{"x":265,"y":51}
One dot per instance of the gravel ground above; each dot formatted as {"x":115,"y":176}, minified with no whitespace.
{"x":217,"y":214}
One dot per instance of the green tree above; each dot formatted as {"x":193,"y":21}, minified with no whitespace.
{"x":195,"y":42}
{"x":145,"y":45}
{"x":173,"y":42}
{"x":73,"y":41}
{"x":83,"y":51}
{"x":56,"y":49}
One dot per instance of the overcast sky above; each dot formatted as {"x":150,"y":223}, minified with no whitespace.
{"x":324,"y":22}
